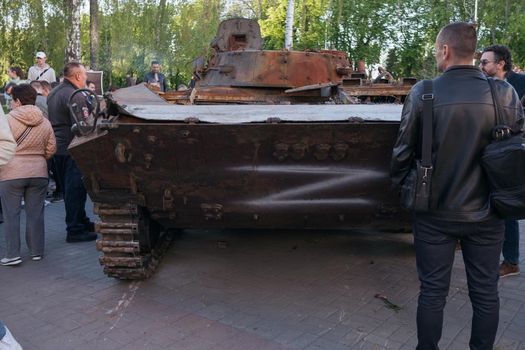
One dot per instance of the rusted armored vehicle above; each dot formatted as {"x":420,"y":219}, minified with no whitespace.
{"x":224,"y":159}
{"x":240,"y":72}
{"x":386,"y":92}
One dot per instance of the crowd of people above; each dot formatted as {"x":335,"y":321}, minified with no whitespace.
{"x":38,"y":128}
{"x":39,"y":125}
{"x":40,"y":122}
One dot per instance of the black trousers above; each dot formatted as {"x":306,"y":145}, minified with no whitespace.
{"x":74,"y":194}
{"x":435,"y":242}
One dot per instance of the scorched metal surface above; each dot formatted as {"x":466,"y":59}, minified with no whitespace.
{"x":160,"y":167}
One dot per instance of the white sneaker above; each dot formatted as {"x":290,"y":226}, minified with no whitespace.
{"x":11,"y":262}
{"x":36,"y":257}
{"x":9,"y":342}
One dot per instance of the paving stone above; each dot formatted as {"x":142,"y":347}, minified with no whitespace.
{"x":322,"y":343}
{"x":258,"y":293}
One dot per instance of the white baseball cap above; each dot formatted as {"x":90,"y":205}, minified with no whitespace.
{"x":40,"y":54}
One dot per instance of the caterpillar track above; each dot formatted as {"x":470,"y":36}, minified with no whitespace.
{"x":131,"y":243}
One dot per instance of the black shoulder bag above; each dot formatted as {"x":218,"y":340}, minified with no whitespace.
{"x":415,"y":192}
{"x":504,"y":163}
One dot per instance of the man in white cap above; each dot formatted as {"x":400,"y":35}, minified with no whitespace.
{"x":41,"y":70}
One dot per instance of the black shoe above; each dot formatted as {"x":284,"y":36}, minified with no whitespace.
{"x":82,"y":237}
{"x":57,"y":197}
{"x":89,"y":226}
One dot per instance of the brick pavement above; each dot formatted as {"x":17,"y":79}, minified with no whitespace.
{"x":259,"y":290}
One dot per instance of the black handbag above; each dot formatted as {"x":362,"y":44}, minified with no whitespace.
{"x":504,"y":163}
{"x":415,"y":191}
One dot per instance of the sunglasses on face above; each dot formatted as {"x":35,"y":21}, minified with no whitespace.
{"x":485,"y":62}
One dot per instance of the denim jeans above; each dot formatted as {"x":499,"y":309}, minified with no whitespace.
{"x":74,"y":194}
{"x":511,"y":245}
{"x":435,"y":242}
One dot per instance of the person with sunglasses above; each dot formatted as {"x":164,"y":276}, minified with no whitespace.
{"x":496,"y":62}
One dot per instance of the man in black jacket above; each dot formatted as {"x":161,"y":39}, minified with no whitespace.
{"x":459,"y":209}
{"x":79,"y":227}
{"x":155,"y":77}
{"x":496,"y":62}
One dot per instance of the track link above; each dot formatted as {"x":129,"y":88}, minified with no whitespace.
{"x":123,"y":256}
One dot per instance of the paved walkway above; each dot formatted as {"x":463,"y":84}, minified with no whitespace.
{"x":245,"y":290}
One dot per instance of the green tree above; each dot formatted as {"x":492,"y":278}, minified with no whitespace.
{"x":361,"y":28}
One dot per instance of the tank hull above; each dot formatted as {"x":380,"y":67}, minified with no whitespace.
{"x":253,"y":175}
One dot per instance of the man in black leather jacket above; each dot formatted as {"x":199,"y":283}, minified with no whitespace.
{"x":79,"y":227}
{"x":463,"y":112}
{"x":155,"y":77}
{"x":496,"y":62}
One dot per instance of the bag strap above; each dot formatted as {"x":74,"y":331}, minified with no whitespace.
{"x":497,"y":113}
{"x":426,"y":139}
{"x":22,"y":136}
{"x":500,"y":130}
{"x":44,"y":72}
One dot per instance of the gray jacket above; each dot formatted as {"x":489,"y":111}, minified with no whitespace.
{"x":41,"y":102}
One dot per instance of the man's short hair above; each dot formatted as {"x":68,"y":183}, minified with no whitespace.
{"x":70,"y":68}
{"x":89,"y":82}
{"x":460,"y":37}
{"x":25,"y":94}
{"x":45,"y":85}
{"x":154,"y":62}
{"x":37,"y":85}
{"x":501,"y":53}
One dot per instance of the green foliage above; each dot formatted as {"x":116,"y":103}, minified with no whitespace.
{"x":398,"y":34}
{"x":361,"y":28}
{"x":310,"y":26}
{"x":194,"y":26}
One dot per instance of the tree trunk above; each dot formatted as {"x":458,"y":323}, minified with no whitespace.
{"x":288,"y":36}
{"x":73,"y":35}
{"x":93,"y":33}
{"x":303,"y":17}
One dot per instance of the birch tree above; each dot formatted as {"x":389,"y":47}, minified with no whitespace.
{"x":73,"y":35}
{"x":93,"y":34}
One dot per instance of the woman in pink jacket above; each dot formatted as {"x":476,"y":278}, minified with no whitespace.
{"x":25,"y":176}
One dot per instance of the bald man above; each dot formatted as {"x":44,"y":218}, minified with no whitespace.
{"x":78,"y":226}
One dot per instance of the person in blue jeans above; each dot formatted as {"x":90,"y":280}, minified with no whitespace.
{"x":496,"y":62}
{"x":511,"y":250}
